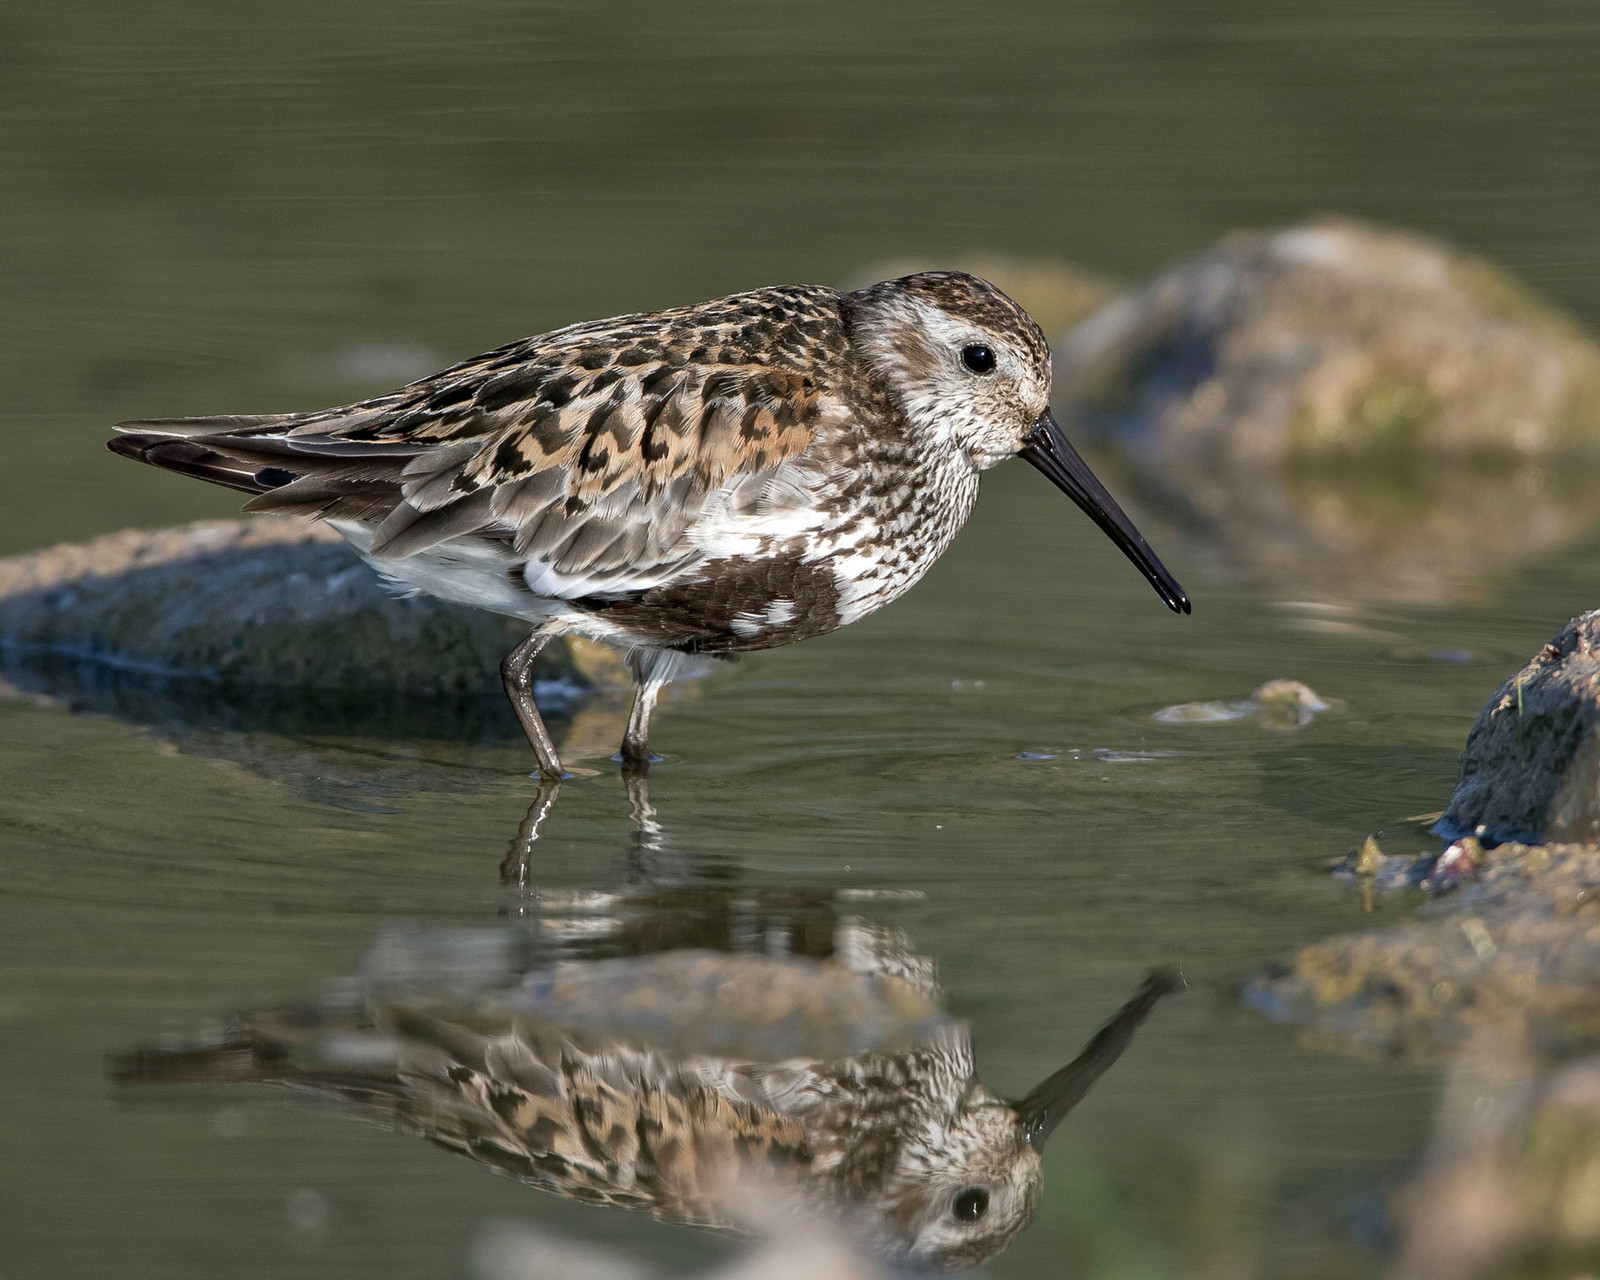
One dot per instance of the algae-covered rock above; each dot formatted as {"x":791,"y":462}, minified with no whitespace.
{"x":1347,"y":413}
{"x":1517,"y":952}
{"x":1339,"y":337}
{"x":272,"y":602}
{"x":1512,"y":944}
{"x":1531,"y":767}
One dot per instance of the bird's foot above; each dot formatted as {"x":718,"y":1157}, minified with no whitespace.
{"x":636,"y":764}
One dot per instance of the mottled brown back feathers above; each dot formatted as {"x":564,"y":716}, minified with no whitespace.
{"x":614,"y":412}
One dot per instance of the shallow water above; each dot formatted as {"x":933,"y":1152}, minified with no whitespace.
{"x":252,"y":209}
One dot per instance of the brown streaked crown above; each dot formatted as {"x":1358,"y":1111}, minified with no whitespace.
{"x":969,"y":297}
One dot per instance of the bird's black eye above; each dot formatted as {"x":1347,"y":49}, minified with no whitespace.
{"x":978,"y":358}
{"x":970,"y":1205}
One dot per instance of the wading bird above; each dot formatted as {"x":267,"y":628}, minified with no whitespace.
{"x":711,"y":479}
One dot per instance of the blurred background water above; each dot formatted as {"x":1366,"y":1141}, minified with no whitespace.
{"x":229,"y":207}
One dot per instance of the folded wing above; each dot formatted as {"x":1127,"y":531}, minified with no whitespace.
{"x":611,"y":455}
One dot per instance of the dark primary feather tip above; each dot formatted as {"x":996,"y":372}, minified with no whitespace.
{"x":127,"y":446}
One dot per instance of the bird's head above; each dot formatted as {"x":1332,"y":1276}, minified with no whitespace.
{"x":970,"y":371}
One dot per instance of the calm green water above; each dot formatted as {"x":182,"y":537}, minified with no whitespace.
{"x":236,"y":207}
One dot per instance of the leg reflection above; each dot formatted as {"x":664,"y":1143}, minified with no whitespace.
{"x":517,"y":867}
{"x":649,"y":859}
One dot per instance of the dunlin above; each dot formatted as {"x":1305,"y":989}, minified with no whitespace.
{"x":711,"y":479}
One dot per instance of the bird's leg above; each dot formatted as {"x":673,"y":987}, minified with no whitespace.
{"x":517,"y":868}
{"x":636,"y":755}
{"x":516,"y":670}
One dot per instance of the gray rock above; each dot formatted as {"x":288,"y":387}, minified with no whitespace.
{"x":270,"y":602}
{"x":1531,"y":768}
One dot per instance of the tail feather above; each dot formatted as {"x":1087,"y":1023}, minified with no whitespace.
{"x":239,"y":1061}
{"x":219,"y":424}
{"x":312,"y":473}
{"x":328,"y":496}
{"x":189,"y":458}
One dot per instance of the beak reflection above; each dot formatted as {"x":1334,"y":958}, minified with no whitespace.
{"x":1043,"y":1109}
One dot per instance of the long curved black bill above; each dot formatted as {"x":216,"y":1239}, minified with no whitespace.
{"x":1047,"y":448}
{"x":1042,"y":1110}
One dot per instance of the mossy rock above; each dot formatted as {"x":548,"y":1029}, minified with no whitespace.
{"x":1336,"y":337}
{"x":1511,"y":1187}
{"x":1514,"y":952}
{"x":1347,"y":413}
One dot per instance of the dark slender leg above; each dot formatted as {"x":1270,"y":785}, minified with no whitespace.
{"x":517,"y":868}
{"x":636,"y":742}
{"x":516,"y":671}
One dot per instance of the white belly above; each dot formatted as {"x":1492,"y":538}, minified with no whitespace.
{"x":465,"y":571}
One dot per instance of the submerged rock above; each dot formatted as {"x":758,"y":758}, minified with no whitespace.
{"x":1348,"y":413}
{"x":269,"y":602}
{"x":1531,"y":767}
{"x":1278,"y":704}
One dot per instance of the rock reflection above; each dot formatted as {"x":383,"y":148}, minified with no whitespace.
{"x":353,"y":751}
{"x":689,"y":1051}
{"x":1375,"y":532}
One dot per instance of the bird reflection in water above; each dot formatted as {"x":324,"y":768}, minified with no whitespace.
{"x":685,"y":1050}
